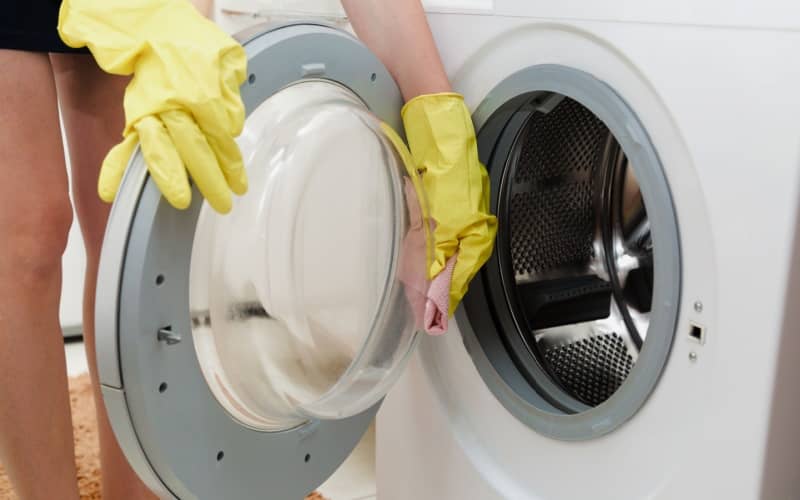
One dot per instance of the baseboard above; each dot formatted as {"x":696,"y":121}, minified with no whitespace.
{"x":71,"y":331}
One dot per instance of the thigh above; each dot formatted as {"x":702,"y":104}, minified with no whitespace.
{"x":91,"y":108}
{"x":33,"y":184}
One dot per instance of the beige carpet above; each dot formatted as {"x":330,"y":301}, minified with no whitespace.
{"x":86,"y":453}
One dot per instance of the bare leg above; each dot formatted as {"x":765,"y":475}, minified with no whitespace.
{"x":35,"y":216}
{"x":91,"y":106}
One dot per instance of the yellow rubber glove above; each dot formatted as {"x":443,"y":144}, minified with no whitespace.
{"x":442,"y":142}
{"x":182,"y":105}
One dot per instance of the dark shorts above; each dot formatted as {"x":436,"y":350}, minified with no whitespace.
{"x":31,"y":25}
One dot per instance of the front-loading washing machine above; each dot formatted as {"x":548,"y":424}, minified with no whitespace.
{"x":631,"y":336}
{"x":634,"y":333}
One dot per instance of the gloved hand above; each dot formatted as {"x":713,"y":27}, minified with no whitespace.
{"x":455,"y":189}
{"x":182,"y":105}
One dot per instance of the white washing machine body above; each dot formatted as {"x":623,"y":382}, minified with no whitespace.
{"x":714,"y":86}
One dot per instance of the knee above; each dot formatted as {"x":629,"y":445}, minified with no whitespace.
{"x":36,"y":237}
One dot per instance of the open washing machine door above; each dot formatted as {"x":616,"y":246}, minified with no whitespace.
{"x":243,"y":356}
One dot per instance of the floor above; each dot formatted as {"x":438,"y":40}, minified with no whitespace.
{"x":355,"y":479}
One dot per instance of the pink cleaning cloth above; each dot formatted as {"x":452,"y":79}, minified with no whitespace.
{"x":429,"y":300}
{"x":438,"y":300}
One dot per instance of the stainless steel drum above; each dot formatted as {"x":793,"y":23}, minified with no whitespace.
{"x":579,"y":236}
{"x":571,"y":321}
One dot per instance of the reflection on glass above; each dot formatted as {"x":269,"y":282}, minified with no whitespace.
{"x":298,"y":312}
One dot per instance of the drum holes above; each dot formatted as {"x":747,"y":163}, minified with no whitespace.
{"x":220,"y":455}
{"x":251,"y":79}
{"x":159,"y":280}
{"x":162,"y":388}
{"x":307,"y":458}
{"x":373,"y":77}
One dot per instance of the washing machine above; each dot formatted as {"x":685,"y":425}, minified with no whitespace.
{"x":632,"y":335}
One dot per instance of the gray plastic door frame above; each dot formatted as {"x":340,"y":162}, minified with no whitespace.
{"x":175,"y":434}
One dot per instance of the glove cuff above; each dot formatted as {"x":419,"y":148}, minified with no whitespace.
{"x":423,"y":98}
{"x":433,"y":120}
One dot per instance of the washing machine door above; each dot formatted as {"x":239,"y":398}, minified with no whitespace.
{"x":243,"y":356}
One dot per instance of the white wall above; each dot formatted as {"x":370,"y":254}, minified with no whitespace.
{"x":73,"y":266}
